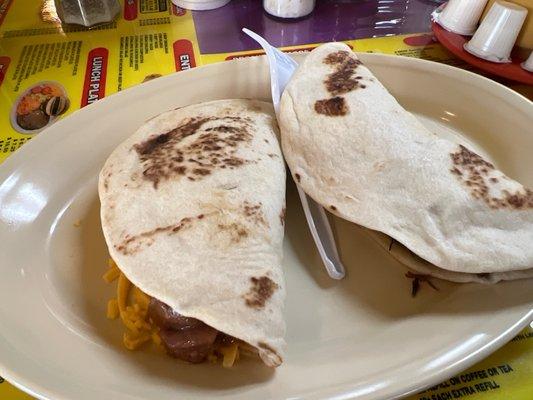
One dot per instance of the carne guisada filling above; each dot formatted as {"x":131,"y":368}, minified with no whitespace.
{"x":185,"y":338}
{"x":148,"y":319}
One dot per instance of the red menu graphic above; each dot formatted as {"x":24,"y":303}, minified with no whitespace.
{"x":183,"y":55}
{"x":4,"y":63}
{"x":130,"y":10}
{"x":95,"y":76}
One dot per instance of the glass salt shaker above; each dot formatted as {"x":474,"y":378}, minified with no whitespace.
{"x":87,"y":12}
{"x":289,"y":8}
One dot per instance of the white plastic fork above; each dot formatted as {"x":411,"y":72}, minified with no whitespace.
{"x":281,"y":69}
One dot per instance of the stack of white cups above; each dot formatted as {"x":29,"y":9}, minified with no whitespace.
{"x":461,"y":16}
{"x":495,"y":37}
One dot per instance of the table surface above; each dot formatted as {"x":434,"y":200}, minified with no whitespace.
{"x":152,"y":38}
{"x":218,"y":30}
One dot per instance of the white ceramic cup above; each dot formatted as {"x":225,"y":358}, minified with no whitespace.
{"x":461,"y":16}
{"x":496,"y":36}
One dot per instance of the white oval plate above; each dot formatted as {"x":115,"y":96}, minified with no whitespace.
{"x":363,"y":337}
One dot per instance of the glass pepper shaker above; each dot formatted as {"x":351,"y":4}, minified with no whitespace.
{"x":87,"y":12}
{"x":289,"y":8}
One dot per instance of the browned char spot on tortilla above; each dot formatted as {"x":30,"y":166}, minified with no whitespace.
{"x":334,"y":107}
{"x":456,"y":171}
{"x":475,"y":173}
{"x":282,"y":215}
{"x":261,"y":290}
{"x":298,"y":177}
{"x":341,"y":81}
{"x":131,"y":244}
{"x":194,"y":149}
{"x":107,"y":175}
{"x":333,"y":208}
{"x":236,"y":231}
{"x":254,"y":213}
{"x":201,"y":171}
{"x":233,"y":162}
{"x":340,"y":57}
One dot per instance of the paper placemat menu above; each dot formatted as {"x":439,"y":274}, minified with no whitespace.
{"x":48,"y":71}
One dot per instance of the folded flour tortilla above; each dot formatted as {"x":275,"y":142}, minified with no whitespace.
{"x":425,"y":268}
{"x":192,"y":209}
{"x":357,"y":152}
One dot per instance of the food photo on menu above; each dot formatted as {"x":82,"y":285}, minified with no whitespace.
{"x":266,"y":199}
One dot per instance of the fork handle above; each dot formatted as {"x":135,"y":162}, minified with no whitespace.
{"x":320,"y":228}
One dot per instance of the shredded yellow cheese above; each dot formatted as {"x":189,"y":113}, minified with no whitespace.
{"x":123,"y":290}
{"x":133,"y":341}
{"x":141,"y":298}
{"x":111,"y":275}
{"x":112,"y":309}
{"x":131,"y":305}
{"x":230,"y":354}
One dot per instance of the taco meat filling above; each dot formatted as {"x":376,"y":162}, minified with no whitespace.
{"x":185,"y":338}
{"x":149,"y":320}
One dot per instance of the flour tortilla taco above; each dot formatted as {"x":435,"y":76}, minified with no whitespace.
{"x":192,"y":210}
{"x":358,"y":153}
